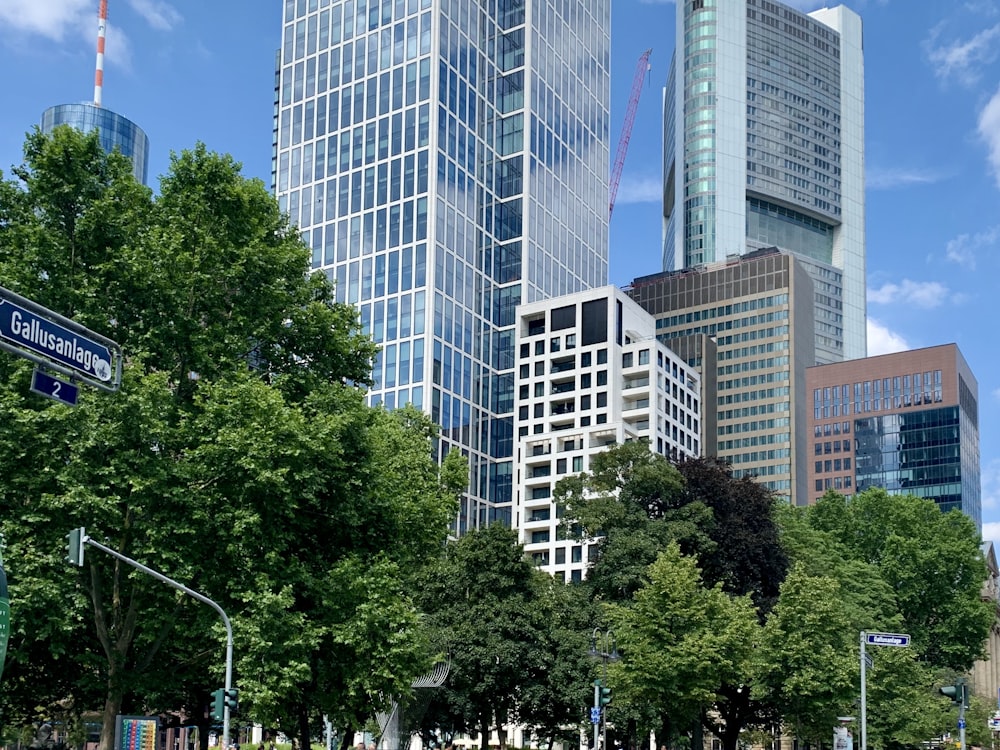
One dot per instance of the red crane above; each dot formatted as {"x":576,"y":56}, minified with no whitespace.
{"x":641,"y":68}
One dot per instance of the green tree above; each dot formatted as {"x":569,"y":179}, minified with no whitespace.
{"x":486,"y":603}
{"x":552,"y":704}
{"x":930,"y":560}
{"x":238,"y":457}
{"x":681,"y":641}
{"x":631,"y":503}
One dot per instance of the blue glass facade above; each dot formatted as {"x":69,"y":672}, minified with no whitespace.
{"x":113,"y":130}
{"x":931,"y":453}
{"x":907,"y":422}
{"x":447,"y":160}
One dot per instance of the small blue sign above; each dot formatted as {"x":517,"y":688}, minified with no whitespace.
{"x":27,"y":330}
{"x":887,"y":639}
{"x":595,"y":715}
{"x":54,"y":388}
{"x":961,"y":723}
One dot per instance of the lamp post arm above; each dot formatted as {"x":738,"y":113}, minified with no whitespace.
{"x":201,"y":598}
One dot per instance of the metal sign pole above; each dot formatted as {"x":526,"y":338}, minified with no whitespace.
{"x":864,"y":697}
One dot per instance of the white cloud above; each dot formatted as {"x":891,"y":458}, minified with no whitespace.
{"x":963,"y":249}
{"x":981,"y":7}
{"x":158,"y":14}
{"x":926,"y":294}
{"x":990,"y":478}
{"x":883,"y":341}
{"x":962,"y":59}
{"x":991,"y":533}
{"x":642,"y":190}
{"x":989,"y":131}
{"x":48,"y":18}
{"x":59,"y":20}
{"x":893,"y":177}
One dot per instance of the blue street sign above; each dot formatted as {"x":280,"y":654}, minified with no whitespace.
{"x":961,"y":723}
{"x":60,"y":390}
{"x":595,"y":715}
{"x":49,"y":339}
{"x":887,"y":639}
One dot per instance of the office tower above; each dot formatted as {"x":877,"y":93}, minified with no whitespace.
{"x":764,"y":146}
{"x":908,"y":422}
{"x":759,"y":310}
{"x":447,"y":160}
{"x":590,"y":374}
{"x":113,"y":130}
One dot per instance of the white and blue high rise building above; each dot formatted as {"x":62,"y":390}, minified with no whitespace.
{"x":764,"y":146}
{"x":447,"y":160}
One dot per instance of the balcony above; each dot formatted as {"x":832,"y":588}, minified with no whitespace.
{"x":566,"y":386}
{"x":564,"y":364}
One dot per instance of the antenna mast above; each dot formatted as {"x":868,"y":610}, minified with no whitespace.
{"x":102,"y":25}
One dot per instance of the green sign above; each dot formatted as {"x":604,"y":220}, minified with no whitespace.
{"x":4,"y":617}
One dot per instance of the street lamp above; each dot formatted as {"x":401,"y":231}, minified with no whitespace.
{"x":604,"y":646}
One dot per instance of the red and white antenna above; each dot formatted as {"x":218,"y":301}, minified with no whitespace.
{"x":102,"y":26}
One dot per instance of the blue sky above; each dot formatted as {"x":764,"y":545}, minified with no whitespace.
{"x":204,"y":71}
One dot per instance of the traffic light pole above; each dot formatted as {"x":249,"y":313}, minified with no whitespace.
{"x":597,"y":707}
{"x":192,"y":593}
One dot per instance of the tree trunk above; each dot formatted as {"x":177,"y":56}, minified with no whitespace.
{"x":304,"y":739}
{"x":697,"y":736}
{"x":112,"y":707}
{"x":663,"y":738}
{"x":484,"y":731}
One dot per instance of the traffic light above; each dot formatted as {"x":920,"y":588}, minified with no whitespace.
{"x":218,"y":702}
{"x":957,"y":693}
{"x":605,"y":696}
{"x":233,"y":700}
{"x":74,"y":547}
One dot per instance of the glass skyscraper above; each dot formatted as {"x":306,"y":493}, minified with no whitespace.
{"x":114,"y":131}
{"x":447,"y":160}
{"x":763,"y":146}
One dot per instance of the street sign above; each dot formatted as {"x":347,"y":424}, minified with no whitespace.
{"x":961,"y":723}
{"x":869,"y":661}
{"x":47,"y":338}
{"x":54,"y":388}
{"x":595,"y":715}
{"x":887,"y":639}
{"x":994,"y":722}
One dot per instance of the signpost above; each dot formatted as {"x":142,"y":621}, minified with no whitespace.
{"x":897,"y":640}
{"x":53,"y":341}
{"x":4,"y":614}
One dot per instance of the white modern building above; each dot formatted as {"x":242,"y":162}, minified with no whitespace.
{"x":447,"y":160}
{"x":764,"y":146}
{"x":590,"y":374}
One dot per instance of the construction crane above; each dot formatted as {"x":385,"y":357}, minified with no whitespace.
{"x":641,"y":69}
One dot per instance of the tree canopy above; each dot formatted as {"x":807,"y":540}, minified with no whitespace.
{"x":238,"y":457}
